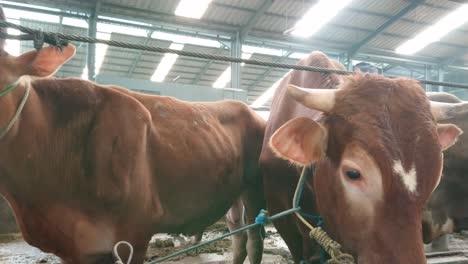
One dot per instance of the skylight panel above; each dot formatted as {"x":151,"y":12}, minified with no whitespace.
{"x":435,"y":32}
{"x":75,"y":22}
{"x":225,"y":77}
{"x":318,"y":16}
{"x":298,"y":55}
{"x":192,"y":8}
{"x":166,"y":63}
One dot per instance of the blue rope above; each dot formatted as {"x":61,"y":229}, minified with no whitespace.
{"x":317,"y":218}
{"x":263,"y":218}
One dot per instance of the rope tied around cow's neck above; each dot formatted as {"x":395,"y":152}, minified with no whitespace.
{"x":332,"y":247}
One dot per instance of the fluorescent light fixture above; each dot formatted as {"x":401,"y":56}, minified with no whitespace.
{"x":101,"y":50}
{"x":225,"y":77}
{"x":186,"y":39}
{"x":75,"y":22}
{"x":192,"y":8}
{"x":435,"y":32}
{"x":317,"y":16}
{"x":267,"y":95}
{"x":298,"y":55}
{"x":166,"y":63}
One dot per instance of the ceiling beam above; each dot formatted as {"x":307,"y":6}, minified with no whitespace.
{"x":140,"y":53}
{"x":356,"y":47}
{"x":255,"y":18}
{"x":265,"y":74}
{"x":206,"y":67}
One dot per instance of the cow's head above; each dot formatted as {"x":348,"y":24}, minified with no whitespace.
{"x":41,"y":63}
{"x":378,"y":155}
{"x":446,"y":211}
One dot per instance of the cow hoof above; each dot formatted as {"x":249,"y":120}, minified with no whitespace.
{"x":440,"y":244}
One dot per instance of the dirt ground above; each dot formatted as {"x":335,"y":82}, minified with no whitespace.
{"x":14,"y":250}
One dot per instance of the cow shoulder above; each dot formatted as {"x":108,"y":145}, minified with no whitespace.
{"x":232,"y":111}
{"x":121,"y":133}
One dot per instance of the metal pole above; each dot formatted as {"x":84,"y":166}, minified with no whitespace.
{"x":92,"y":29}
{"x":426,"y":77}
{"x":236,"y":52}
{"x":440,"y":74}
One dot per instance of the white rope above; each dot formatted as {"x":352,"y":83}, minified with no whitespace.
{"x":116,"y":253}
{"x":17,"y":114}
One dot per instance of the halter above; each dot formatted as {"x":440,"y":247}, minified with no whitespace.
{"x":15,"y":117}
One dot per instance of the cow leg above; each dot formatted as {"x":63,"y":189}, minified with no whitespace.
{"x":440,"y":244}
{"x":196,"y":238}
{"x":253,"y":200}
{"x":278,"y":194}
{"x":235,"y":221}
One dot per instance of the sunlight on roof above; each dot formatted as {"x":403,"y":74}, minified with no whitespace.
{"x":166,"y":63}
{"x":318,"y":16}
{"x":132,"y":31}
{"x":267,"y":95}
{"x":192,"y":8}
{"x":435,"y":32}
{"x":101,"y":50}
{"x":298,"y":55}
{"x":225,"y":77}
{"x":13,"y":46}
{"x":263,"y":114}
{"x":186,"y":39}
{"x":75,"y":22}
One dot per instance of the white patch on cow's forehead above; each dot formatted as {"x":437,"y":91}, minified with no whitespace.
{"x":408,"y":177}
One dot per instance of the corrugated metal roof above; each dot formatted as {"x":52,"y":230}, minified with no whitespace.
{"x":351,"y":26}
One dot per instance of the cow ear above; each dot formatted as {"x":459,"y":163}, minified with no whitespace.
{"x":46,"y":61}
{"x":301,"y":141}
{"x":448,"y":135}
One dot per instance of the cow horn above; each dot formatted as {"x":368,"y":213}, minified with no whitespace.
{"x":318,"y":99}
{"x":2,"y":30}
{"x":443,"y":111}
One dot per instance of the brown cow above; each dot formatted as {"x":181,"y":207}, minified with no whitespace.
{"x":86,"y":165}
{"x":377,"y":153}
{"x":446,"y":211}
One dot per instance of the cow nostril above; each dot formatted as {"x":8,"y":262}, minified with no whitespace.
{"x":353,"y":174}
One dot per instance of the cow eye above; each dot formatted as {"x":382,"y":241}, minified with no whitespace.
{"x":353,"y":174}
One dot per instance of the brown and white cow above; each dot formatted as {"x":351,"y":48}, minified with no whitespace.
{"x":377,"y":150}
{"x":446,"y":211}
{"x":86,"y":165}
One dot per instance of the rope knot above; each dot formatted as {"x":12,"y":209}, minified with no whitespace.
{"x":263,"y":218}
{"x":343,"y":258}
{"x":38,"y":40}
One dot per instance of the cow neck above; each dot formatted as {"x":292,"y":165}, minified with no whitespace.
{"x":11,"y":123}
